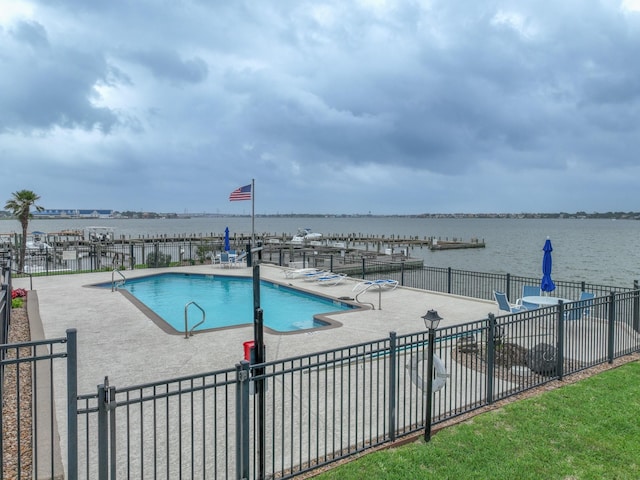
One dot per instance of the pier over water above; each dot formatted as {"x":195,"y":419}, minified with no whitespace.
{"x":102,"y":248}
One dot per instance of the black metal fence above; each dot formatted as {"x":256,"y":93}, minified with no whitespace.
{"x":318,"y":408}
{"x":29,"y":434}
{"x":72,"y":257}
{"x":5,"y":296}
{"x":289,"y":416}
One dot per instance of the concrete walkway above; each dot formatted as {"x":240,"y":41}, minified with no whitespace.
{"x":116,"y":339}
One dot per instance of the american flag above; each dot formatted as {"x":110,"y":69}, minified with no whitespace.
{"x":242,"y":193}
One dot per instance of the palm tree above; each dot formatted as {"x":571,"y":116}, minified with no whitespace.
{"x":20,"y":206}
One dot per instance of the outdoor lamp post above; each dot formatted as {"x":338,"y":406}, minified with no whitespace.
{"x":431,"y":321}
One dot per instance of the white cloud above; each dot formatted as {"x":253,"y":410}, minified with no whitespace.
{"x":15,"y":10}
{"x":515,"y":21}
{"x":631,"y":5}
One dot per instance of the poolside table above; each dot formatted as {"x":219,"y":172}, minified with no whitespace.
{"x":545,"y":300}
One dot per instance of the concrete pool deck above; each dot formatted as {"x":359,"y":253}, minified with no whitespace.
{"x":116,"y":339}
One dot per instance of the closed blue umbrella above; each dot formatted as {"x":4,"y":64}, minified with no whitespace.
{"x":227,"y":247}
{"x":546,"y":284}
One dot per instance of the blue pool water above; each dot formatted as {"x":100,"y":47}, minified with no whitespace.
{"x":228,"y":301}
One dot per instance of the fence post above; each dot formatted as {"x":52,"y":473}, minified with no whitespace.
{"x":72,"y":403}
{"x":331,"y":262}
{"x":6,"y":318}
{"x":242,"y":420}
{"x":111,"y":403}
{"x":490,"y":356}
{"x":402,"y":273}
{"x":392,"y":386}
{"x":448,"y":279}
{"x":636,"y":306}
{"x":560,"y":341}
{"x":156,"y":253}
{"x":507,"y":289}
{"x":611,"y":329}
{"x":103,"y":430}
{"x":364,"y":268}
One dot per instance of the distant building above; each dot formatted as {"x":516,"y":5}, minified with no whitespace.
{"x":73,"y":213}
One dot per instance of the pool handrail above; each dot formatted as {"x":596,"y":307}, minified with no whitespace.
{"x":114,"y":286}
{"x":188,"y":333}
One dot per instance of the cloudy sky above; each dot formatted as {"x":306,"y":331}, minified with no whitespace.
{"x":331,"y":106}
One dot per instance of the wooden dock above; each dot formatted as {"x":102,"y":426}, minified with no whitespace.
{"x":378,"y":243}
{"x":445,"y":245}
{"x":76,"y":250}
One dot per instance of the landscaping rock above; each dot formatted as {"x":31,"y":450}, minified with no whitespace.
{"x":467,"y":344}
{"x":543,"y":359}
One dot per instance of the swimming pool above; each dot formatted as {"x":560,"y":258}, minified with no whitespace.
{"x":228,"y":301}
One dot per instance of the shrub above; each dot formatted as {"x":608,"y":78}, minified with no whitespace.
{"x":18,"y":293}
{"x":17,"y":302}
{"x":158,"y":259}
{"x":203,"y":252}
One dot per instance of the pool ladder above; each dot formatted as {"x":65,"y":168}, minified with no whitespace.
{"x":189,"y":332}
{"x":116,"y":284}
{"x":369,"y":303}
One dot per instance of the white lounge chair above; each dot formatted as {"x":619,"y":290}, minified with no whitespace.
{"x":386,"y":283}
{"x":331,"y":278}
{"x":313,"y":276}
{"x":299,"y":272}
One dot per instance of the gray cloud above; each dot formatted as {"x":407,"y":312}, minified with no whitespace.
{"x":494,"y":106}
{"x":49,"y":86}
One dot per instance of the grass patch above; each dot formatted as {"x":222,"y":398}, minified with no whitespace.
{"x":586,"y":430}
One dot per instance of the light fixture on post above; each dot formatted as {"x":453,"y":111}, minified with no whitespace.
{"x":431,"y":321}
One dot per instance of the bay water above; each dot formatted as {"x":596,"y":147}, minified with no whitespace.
{"x":597,"y":251}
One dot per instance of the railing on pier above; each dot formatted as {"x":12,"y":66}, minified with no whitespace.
{"x":369,"y":265}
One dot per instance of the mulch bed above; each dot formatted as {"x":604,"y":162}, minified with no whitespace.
{"x":506,"y":356}
{"x":16,"y":404}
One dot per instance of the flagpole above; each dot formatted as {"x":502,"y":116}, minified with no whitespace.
{"x":253,"y":212}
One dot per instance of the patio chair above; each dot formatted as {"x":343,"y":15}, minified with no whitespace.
{"x":240,"y":259}
{"x":582,"y":308}
{"x":225,"y":260}
{"x":503,"y":303}
{"x":529,"y":291}
{"x":587,"y":299}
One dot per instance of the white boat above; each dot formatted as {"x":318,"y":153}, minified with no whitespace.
{"x":35,"y":243}
{"x":305,"y":235}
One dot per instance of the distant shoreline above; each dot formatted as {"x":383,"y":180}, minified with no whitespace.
{"x":169,"y":216}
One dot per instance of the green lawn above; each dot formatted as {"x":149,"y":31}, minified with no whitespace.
{"x":586,"y":430}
